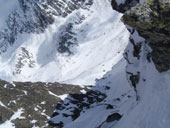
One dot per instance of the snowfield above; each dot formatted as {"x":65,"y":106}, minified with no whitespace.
{"x":101,"y":40}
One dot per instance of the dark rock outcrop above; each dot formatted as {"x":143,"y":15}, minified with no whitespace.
{"x":122,"y":7}
{"x":152,"y":21}
{"x":37,"y":101}
{"x":114,"y":117}
{"x":74,"y":105}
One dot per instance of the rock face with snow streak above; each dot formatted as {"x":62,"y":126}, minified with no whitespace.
{"x":152,"y":22}
{"x":146,"y":50}
{"x":37,"y":101}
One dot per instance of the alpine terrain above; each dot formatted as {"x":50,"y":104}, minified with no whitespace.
{"x":84,"y":63}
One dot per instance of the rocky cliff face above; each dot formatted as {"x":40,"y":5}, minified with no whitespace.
{"x":152,"y":21}
{"x":148,"y":48}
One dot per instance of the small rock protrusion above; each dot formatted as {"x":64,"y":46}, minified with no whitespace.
{"x":114,"y":117}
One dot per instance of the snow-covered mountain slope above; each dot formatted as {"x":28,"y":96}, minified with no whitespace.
{"x":75,"y":49}
{"x":151,"y":109}
{"x":7,"y":6}
{"x":137,"y":98}
{"x":86,"y":46}
{"x":120,"y":97}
